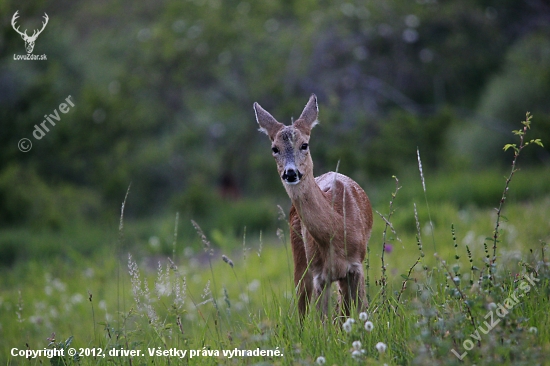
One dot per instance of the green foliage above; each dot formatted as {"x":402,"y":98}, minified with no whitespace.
{"x":521,"y":133}
{"x":394,"y":147}
{"x":63,"y":347}
{"x":225,"y":210}
{"x":522,"y":84}
{"x":26,"y":198}
{"x":163,"y":92}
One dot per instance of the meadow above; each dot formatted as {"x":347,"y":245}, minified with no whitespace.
{"x":447,"y":284}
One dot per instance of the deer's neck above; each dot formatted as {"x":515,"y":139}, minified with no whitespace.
{"x":316,"y":209}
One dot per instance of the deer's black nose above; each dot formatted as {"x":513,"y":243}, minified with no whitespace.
{"x":289,"y":175}
{"x":292,"y":175}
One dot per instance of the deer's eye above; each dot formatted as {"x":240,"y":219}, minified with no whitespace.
{"x":304,"y":147}
{"x":275,"y":150}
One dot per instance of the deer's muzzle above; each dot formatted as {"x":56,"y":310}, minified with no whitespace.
{"x":292,"y":175}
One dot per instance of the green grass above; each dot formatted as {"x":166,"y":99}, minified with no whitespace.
{"x":251,"y":305}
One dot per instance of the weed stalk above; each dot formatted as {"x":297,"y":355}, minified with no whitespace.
{"x":425,"y":195}
{"x":517,"y":150}
{"x":384,"y":278}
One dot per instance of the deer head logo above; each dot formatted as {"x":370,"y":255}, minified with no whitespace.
{"x":29,"y":40}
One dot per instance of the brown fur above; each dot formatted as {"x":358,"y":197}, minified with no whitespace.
{"x":330,"y":217}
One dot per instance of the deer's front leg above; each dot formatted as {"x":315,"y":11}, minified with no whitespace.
{"x":303,"y":280}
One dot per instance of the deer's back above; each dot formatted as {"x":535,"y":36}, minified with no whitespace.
{"x":354,"y":204}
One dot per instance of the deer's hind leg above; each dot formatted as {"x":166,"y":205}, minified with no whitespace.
{"x":352,"y":289}
{"x":303,"y":280}
{"x":322,"y":295}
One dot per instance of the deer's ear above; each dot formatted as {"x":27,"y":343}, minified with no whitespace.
{"x":268,"y":124}
{"x":308,"y":118}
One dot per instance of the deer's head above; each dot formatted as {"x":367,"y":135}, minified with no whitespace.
{"x":29,"y":40}
{"x":290,"y":144}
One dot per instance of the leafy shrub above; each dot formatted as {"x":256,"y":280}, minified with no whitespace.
{"x":523,"y":84}
{"x":398,"y":137}
{"x":28,"y":200}
{"x":213,"y":212}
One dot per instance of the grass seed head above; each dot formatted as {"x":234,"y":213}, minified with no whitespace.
{"x":227,"y":260}
{"x":420,"y":168}
{"x":204,"y":240}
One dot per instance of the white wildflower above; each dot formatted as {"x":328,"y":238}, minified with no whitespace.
{"x":363,"y":316}
{"x":35,"y":319}
{"x":533,"y":330}
{"x":77,"y":298}
{"x":58,"y":285}
{"x":154,"y":242}
{"x":381,"y":347}
{"x":188,"y":252}
{"x":254,"y":285}
{"x":369,"y":326}
{"x":89,"y":273}
{"x":320,"y":360}
{"x":103,"y":305}
{"x":356,"y":345}
{"x":347,"y":326}
{"x":356,"y":354}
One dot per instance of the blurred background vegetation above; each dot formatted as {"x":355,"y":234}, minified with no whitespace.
{"x":163,"y":94}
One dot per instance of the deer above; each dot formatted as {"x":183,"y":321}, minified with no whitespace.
{"x":29,"y":40}
{"x":330,"y":217}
